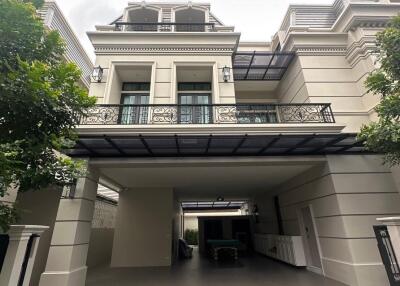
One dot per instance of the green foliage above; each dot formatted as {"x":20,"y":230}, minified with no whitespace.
{"x":383,"y":136}
{"x":8,"y":215}
{"x":40,"y":103}
{"x":192,"y":236}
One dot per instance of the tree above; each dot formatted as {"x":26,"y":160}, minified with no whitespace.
{"x":41,"y":102}
{"x":383,"y":136}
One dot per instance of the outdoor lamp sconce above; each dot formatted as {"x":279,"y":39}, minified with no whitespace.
{"x":97,"y":74}
{"x":226,"y":71}
{"x":69,"y":190}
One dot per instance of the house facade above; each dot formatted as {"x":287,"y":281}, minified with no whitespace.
{"x":187,"y":113}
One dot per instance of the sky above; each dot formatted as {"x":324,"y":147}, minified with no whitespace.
{"x":256,"y":20}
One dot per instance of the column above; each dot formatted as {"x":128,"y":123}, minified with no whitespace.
{"x":19,"y":236}
{"x":66,"y":263}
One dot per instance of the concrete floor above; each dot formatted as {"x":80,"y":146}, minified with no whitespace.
{"x":255,"y":270}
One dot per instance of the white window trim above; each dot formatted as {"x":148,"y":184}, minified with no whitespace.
{"x":114,"y":66}
{"x":214,"y":83}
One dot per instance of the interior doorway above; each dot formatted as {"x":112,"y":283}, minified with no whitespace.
{"x":310,"y":239}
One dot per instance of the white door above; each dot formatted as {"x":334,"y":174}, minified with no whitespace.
{"x":311,"y":242}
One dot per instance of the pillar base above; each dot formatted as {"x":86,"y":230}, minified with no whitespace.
{"x":76,"y":277}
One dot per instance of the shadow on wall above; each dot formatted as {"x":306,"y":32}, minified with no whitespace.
{"x":100,"y":247}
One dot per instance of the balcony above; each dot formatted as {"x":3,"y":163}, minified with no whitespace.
{"x":164,"y":131}
{"x":165,"y":27}
{"x":153,"y":114}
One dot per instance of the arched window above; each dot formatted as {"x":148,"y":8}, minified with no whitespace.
{"x":142,"y":18}
{"x":190,"y":19}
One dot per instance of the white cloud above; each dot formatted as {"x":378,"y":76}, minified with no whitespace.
{"x":257,"y":20}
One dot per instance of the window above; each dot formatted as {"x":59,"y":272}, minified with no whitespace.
{"x":135,"y":99}
{"x":190,"y":20}
{"x":194,"y":103}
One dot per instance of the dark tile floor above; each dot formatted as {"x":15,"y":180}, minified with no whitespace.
{"x":254,"y":270}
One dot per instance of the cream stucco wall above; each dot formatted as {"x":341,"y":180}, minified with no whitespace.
{"x":164,"y":78}
{"x":332,"y":76}
{"x":346,"y":197}
{"x":143,"y":230}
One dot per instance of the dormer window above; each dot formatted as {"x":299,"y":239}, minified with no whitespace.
{"x":142,"y":19}
{"x":190,"y":19}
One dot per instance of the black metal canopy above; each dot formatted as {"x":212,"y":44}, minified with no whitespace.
{"x":261,"y":65}
{"x":214,"y":145}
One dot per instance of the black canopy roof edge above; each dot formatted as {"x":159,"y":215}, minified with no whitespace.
{"x":183,"y":145}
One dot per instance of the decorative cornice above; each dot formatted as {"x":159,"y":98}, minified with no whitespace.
{"x":361,"y":49}
{"x":367,"y":22}
{"x":320,"y":51}
{"x":162,"y":50}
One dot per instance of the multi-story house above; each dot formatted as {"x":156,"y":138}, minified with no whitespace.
{"x":187,"y":113}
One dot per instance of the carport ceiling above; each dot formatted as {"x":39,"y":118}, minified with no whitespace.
{"x":207,"y":182}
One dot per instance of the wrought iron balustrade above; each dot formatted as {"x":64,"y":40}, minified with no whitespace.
{"x":165,"y":27}
{"x":388,"y":254}
{"x":133,"y":114}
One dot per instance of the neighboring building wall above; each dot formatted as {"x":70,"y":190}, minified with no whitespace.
{"x":346,"y":196}
{"x":335,"y":47}
{"x":39,"y":208}
{"x":55,"y":20}
{"x":143,"y":230}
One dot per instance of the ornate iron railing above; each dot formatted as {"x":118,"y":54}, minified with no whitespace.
{"x":165,"y":27}
{"x":133,"y":114}
{"x":388,"y":254}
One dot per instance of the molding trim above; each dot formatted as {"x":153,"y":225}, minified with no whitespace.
{"x":352,"y":264}
{"x":320,"y":51}
{"x":230,"y":129}
{"x":162,"y":50}
{"x":361,"y":49}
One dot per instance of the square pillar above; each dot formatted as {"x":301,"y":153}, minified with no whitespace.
{"x":19,"y":236}
{"x":66,"y":263}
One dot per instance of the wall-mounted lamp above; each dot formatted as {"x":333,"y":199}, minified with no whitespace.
{"x":226,"y":71}
{"x":97,"y":74}
{"x":69,"y":190}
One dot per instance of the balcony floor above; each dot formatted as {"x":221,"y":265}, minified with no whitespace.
{"x":255,"y":270}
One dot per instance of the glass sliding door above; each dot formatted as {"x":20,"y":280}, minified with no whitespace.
{"x":194,"y":103}
{"x":134,"y":100}
{"x":256,"y":114}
